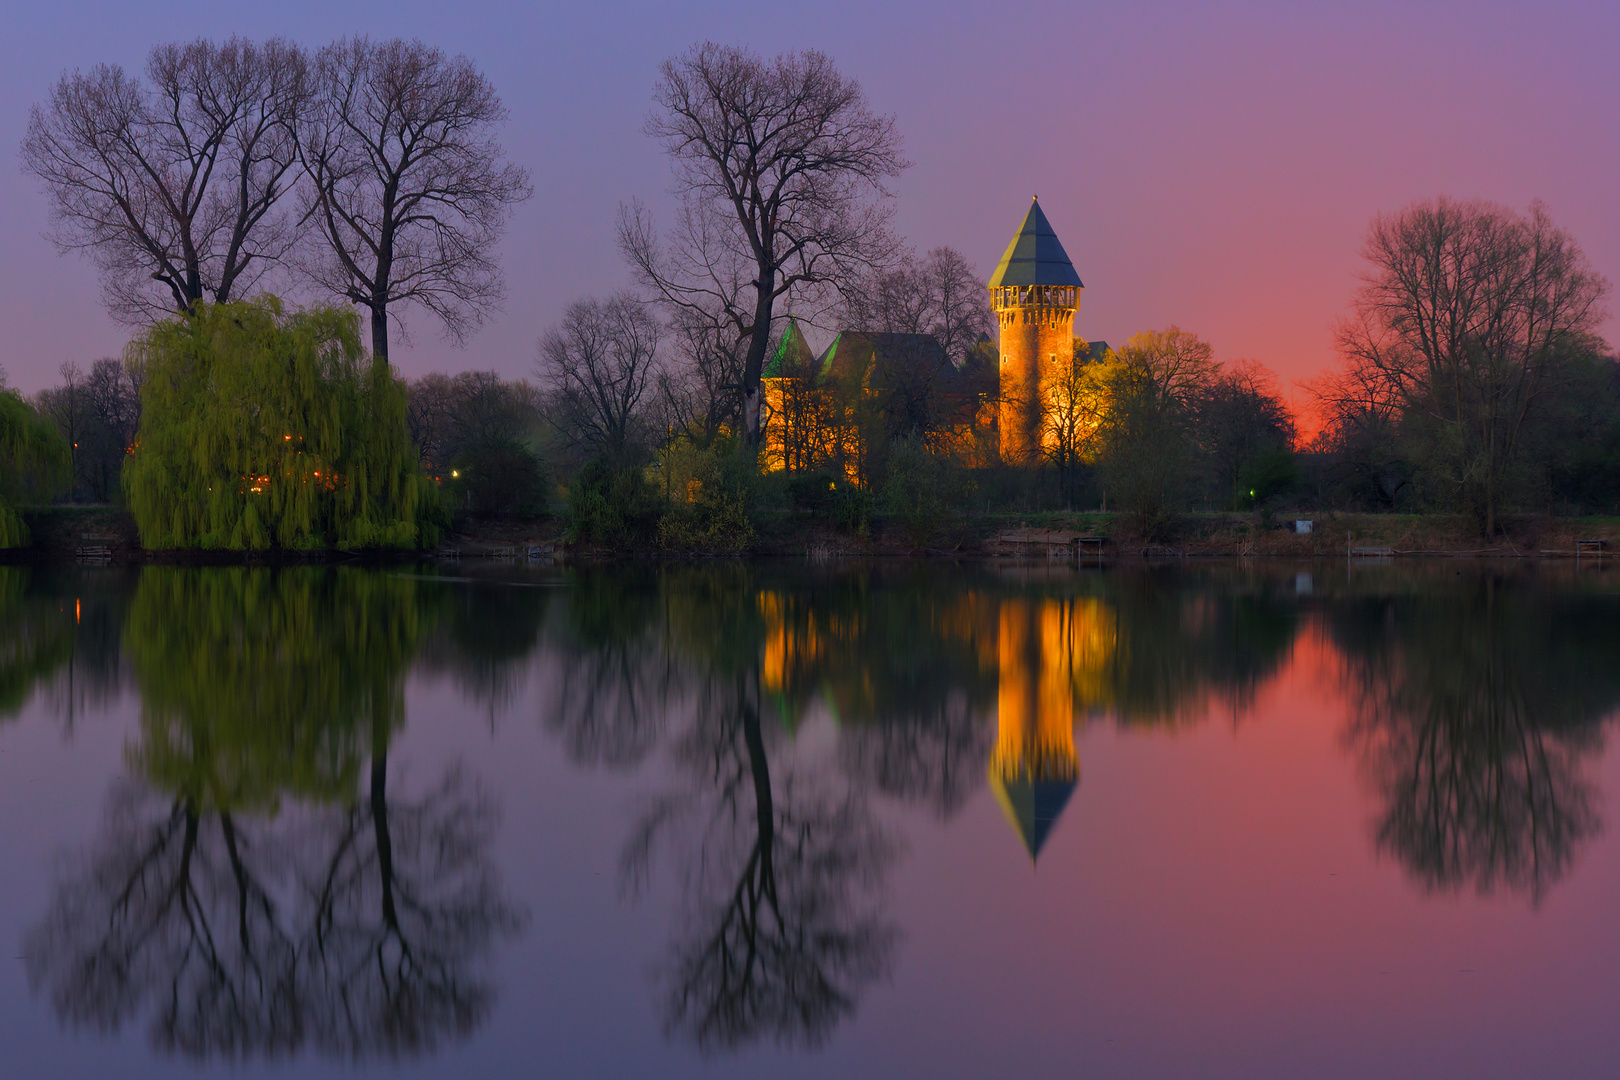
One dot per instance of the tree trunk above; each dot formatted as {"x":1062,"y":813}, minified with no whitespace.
{"x":754,"y":365}
{"x":764,"y":804}
{"x":385,"y":839}
{"x":379,"y":332}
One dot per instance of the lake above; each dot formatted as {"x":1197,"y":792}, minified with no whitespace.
{"x":891,"y":819}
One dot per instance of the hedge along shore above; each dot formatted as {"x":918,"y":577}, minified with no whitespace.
{"x":59,"y":532}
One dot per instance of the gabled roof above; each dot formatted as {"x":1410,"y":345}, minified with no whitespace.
{"x":792,"y":355}
{"x":882,"y":360}
{"x":1035,"y":257}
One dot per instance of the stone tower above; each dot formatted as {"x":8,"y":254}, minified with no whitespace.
{"x":1035,"y":293}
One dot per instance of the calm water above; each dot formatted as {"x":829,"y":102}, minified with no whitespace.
{"x":876,"y":820}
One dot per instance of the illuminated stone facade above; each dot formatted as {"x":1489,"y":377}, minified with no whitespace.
{"x":1035,"y":293}
{"x":834,"y":412}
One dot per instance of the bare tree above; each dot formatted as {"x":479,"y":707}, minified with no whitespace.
{"x":699,"y":393}
{"x":1074,"y":403}
{"x":428,"y":415}
{"x":600,"y":362}
{"x":938,"y":294}
{"x":176,"y":181}
{"x":409,"y":187}
{"x":780,"y":168}
{"x":1462,"y":319}
{"x":68,"y":406}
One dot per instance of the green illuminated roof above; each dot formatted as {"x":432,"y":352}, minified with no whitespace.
{"x":1035,"y":257}
{"x":792,"y":355}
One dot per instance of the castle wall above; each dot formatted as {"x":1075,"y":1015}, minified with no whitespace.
{"x":1037,"y":333}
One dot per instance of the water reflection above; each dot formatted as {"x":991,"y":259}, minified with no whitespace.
{"x":245,"y":892}
{"x":59,"y":636}
{"x":783,"y":920}
{"x":936,"y":681}
{"x":1476,"y":714}
{"x":264,"y":885}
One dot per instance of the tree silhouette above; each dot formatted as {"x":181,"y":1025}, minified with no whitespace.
{"x":170,"y":912}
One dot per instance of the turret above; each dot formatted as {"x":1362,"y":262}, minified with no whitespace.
{"x":1035,"y":293}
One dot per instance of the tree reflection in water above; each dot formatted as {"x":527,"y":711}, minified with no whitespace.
{"x":1476,"y":713}
{"x":356,"y":924}
{"x":781,"y":855}
{"x":59,"y":635}
{"x":783,"y":922}
{"x":616,"y":676}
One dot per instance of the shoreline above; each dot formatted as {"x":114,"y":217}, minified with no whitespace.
{"x":107,"y":535}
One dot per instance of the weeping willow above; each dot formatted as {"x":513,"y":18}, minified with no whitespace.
{"x":261,"y":430}
{"x":262,"y":683}
{"x":34,"y":464}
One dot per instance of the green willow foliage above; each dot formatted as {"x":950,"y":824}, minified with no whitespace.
{"x":261,"y":429}
{"x":260,"y":683}
{"x":35,"y":464}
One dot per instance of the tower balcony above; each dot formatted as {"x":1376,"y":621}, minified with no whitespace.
{"x":1007,"y":298}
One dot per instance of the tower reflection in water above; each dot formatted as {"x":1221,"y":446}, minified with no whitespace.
{"x":1052,"y":661}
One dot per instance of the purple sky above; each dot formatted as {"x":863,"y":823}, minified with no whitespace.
{"x":1211,"y":169}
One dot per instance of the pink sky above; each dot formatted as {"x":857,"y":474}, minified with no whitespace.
{"x":1210,"y":168}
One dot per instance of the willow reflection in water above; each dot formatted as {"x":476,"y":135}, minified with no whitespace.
{"x":1476,"y":711}
{"x":245,"y":892}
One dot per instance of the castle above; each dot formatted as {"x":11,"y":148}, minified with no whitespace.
{"x":835,"y":410}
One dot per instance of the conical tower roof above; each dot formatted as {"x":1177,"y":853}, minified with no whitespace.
{"x":1035,"y":257}
{"x":1032,"y":805}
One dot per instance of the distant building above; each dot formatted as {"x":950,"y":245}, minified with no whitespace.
{"x":837,"y":411}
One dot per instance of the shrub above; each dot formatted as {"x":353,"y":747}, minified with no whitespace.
{"x":612,"y":506}
{"x":501,"y":478}
{"x":711,"y":498}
